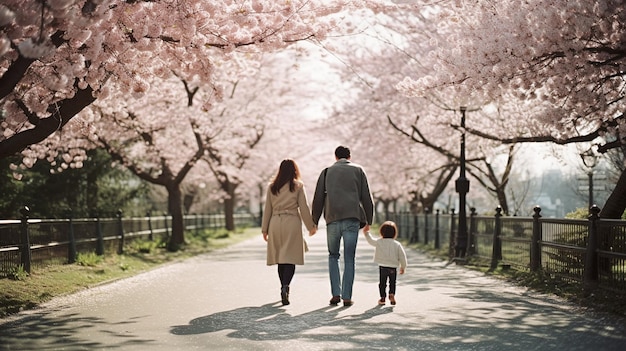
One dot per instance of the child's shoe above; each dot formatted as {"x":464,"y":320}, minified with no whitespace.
{"x":381,"y":301}
{"x":392,"y":299}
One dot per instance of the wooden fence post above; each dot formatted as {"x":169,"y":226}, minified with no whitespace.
{"x":426,"y":211}
{"x":407,"y":220}
{"x":535,"y":244}
{"x":151,"y":235}
{"x":197,"y":223}
{"x":120,"y":232}
{"x":99,"y":237}
{"x":25,"y":249}
{"x":471,"y":239}
{"x":167,"y":229}
{"x":496,"y":252}
{"x":452,"y":234}
{"x":437,"y":244}
{"x":591,"y":254}
{"x":71,"y":246}
{"x":415,"y":234}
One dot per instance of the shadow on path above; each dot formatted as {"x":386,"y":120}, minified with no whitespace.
{"x":40,"y":332}
{"x":268,"y":322}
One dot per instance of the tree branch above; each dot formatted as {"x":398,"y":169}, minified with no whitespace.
{"x":62,"y":112}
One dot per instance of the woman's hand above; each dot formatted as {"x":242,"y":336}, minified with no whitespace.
{"x":313,"y":231}
{"x":265,"y":236}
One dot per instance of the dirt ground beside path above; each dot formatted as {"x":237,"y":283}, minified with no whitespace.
{"x":230,"y":300}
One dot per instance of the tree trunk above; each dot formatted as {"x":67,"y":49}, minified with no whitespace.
{"x":428,"y":202}
{"x":175,"y":207}
{"x":616,"y":203}
{"x":385,"y":204}
{"x":188,"y":199}
{"x":229,"y":205}
{"x":502,"y":200}
{"x":229,"y":214}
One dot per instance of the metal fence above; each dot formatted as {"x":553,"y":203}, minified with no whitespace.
{"x":31,"y":243}
{"x":590,"y":252}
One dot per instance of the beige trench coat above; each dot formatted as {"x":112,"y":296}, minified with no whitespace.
{"x":282,"y":220}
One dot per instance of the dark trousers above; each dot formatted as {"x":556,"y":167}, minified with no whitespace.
{"x":285,"y":273}
{"x":384,"y":274}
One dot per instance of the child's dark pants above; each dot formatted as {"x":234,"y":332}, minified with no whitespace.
{"x":387,"y":272}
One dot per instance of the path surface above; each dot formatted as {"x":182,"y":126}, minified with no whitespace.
{"x":229,"y":300}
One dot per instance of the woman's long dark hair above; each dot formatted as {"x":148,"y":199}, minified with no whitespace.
{"x":288,"y":172}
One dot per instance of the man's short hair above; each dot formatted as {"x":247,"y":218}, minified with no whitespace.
{"x":342,"y":152}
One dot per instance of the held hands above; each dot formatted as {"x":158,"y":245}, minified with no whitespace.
{"x":366,"y":228}
{"x":313,"y":231}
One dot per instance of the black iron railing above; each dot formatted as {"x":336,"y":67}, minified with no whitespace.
{"x":586,"y":251}
{"x":34,"y":242}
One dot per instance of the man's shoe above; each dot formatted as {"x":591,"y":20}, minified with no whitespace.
{"x":335,"y":300}
{"x":347,"y":303}
{"x":392,"y":299}
{"x":381,"y":301}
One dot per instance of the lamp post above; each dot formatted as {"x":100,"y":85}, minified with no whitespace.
{"x":590,"y":159}
{"x":462,"y":187}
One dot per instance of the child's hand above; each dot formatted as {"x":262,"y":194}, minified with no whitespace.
{"x":401,"y":270}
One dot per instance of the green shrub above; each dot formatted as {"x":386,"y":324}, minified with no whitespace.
{"x":18,"y":273}
{"x":143,"y":246}
{"x":123,"y":265}
{"x":88,"y":259}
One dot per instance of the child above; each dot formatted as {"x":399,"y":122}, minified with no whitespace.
{"x":389,"y":255}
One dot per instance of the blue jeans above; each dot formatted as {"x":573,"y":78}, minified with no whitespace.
{"x":348,"y":230}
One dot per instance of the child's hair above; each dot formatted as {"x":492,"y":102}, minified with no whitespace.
{"x":389,"y":230}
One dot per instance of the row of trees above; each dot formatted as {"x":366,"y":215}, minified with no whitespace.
{"x":159,"y":85}
{"x":541,"y":72}
{"x":189,"y":93}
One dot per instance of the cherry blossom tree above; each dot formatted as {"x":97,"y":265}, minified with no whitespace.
{"x":141,"y":136}
{"x":240,"y":131}
{"x":563,"y":57}
{"x":59,"y":56}
{"x":221,"y":132}
{"x":397,"y":46}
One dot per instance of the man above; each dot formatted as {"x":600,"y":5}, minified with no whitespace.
{"x":342,"y":194}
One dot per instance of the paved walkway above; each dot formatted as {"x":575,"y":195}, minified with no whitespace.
{"x":229,"y":300}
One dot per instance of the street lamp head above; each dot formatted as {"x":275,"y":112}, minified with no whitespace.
{"x":590,"y":159}
{"x":463,"y":108}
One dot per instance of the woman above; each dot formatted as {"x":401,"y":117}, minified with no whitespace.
{"x":286,"y":207}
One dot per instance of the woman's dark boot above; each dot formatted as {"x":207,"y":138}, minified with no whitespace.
{"x":284,"y":295}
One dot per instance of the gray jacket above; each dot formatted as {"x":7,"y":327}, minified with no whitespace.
{"x":346,"y":189}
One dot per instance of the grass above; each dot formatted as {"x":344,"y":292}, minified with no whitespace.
{"x":20,"y":290}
